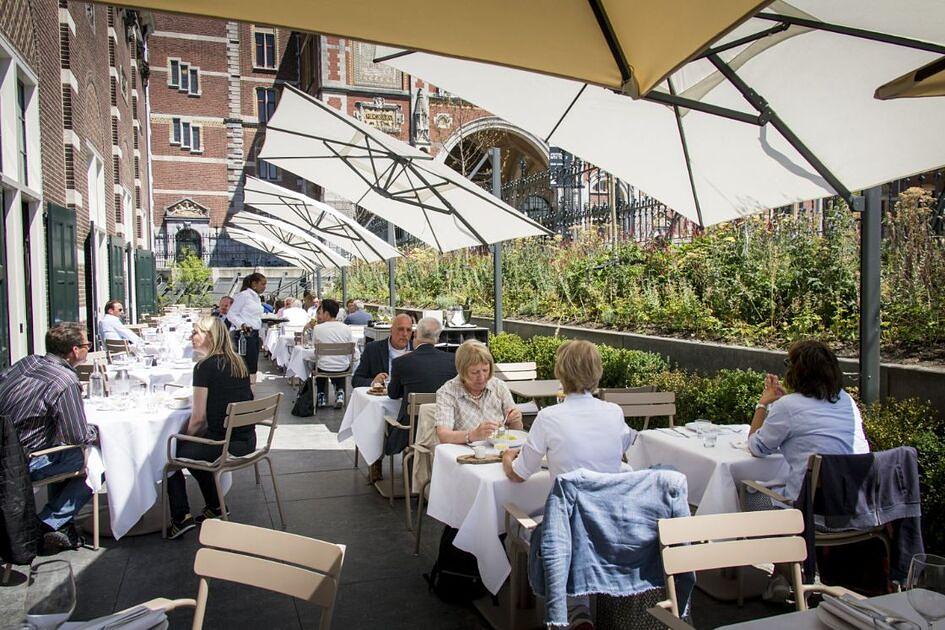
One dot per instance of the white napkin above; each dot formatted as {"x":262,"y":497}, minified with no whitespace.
{"x":137,"y":618}
{"x":859,"y":614}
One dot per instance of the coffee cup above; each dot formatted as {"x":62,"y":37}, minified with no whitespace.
{"x":479,"y":452}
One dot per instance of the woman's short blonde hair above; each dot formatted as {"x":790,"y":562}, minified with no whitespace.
{"x":472,"y":353}
{"x":578,"y":366}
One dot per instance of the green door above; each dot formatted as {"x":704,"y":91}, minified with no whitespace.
{"x":4,"y":313}
{"x":116,"y":270}
{"x":145,"y":288}
{"x":62,"y":266}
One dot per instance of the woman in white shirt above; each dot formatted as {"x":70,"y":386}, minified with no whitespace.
{"x":245,"y":318}
{"x":582,"y":431}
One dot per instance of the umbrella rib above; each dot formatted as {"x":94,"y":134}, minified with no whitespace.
{"x":677,"y":101}
{"x":452,"y":209}
{"x":766,"y":111}
{"x":774,"y":30}
{"x":685,"y":149}
{"x":839,"y":29}
{"x":610,"y":36}
{"x":426,"y":217}
{"x":566,"y":112}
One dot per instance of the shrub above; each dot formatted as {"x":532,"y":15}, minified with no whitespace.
{"x":913,"y":422}
{"x":542,"y":350}
{"x":629,"y":368}
{"x":508,"y":348}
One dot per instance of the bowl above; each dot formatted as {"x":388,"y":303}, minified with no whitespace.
{"x":512,"y":438}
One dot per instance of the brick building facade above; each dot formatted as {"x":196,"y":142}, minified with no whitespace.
{"x":75,"y":189}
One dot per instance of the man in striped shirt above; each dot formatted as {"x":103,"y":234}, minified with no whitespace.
{"x":42,"y":396}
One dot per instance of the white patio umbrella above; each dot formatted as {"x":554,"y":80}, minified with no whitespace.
{"x":389,"y":178}
{"x":293,"y":239}
{"x":275,"y":248}
{"x":779,"y":110}
{"x":315,"y":218}
{"x":615,"y":43}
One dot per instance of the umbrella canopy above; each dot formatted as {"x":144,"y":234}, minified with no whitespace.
{"x":614,"y":43}
{"x":292,"y":238}
{"x":929,"y":80}
{"x":393,"y":180}
{"x":275,"y":248}
{"x":313,"y":217}
{"x":779,"y":110}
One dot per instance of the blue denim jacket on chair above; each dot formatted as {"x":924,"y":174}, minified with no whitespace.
{"x":599,"y":535}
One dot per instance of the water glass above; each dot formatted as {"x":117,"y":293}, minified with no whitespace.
{"x":926,"y":587}
{"x":710,"y":437}
{"x":50,"y":594}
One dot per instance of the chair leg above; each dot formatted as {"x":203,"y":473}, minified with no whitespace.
{"x":392,"y":480}
{"x":164,"y":503}
{"x":256,"y":468}
{"x":423,"y":491}
{"x":275,"y":490}
{"x":216,"y":482}
{"x":356,"y":456}
{"x":95,"y":521}
{"x":407,"y":509}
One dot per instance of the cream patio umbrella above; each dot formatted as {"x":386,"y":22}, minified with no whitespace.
{"x":278,"y":249}
{"x":290,"y":237}
{"x":777,"y":111}
{"x":314,"y":218}
{"x":389,"y":178}
{"x":623,"y":45}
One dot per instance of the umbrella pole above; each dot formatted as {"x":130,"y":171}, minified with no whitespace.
{"x":344,"y":285}
{"x":318,"y":283}
{"x":392,"y":290}
{"x":870,"y":242}
{"x":497,"y":247}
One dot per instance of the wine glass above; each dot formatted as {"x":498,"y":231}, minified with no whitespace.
{"x":50,"y":594}
{"x":926,"y":584}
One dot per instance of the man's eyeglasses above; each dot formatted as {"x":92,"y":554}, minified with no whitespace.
{"x":86,"y":345}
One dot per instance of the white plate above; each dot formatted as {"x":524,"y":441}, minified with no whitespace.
{"x":513,"y":437}
{"x":693,"y":426}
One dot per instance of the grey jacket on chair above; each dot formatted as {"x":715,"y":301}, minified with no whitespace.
{"x":599,"y":535}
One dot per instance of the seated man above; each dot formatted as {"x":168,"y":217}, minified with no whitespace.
{"x":330,"y":330}
{"x":42,"y":396}
{"x":294,"y":313}
{"x":223,"y":307}
{"x":111,"y":326}
{"x":310,"y":304}
{"x":422,"y":371}
{"x":357,"y":316}
{"x":375,"y":365}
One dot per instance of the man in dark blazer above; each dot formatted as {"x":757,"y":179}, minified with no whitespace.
{"x":423,"y":371}
{"x":376,"y":359}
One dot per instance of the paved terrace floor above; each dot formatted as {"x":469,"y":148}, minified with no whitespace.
{"x":324,"y":497}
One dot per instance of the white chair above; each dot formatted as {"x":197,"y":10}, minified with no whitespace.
{"x":415,"y":401}
{"x":527,"y":371}
{"x":333,"y":350}
{"x":646,"y":404}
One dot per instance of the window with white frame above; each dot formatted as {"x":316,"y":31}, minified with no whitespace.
{"x":173,"y":73}
{"x":183,"y":77}
{"x":265,"y":49}
{"x":187,"y":135}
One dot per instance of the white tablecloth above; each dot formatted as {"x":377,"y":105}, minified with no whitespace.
{"x":364,"y":420}
{"x":470,"y":497}
{"x":272,"y":335}
{"x":300,"y":363}
{"x":711,"y":473}
{"x":132,"y":452}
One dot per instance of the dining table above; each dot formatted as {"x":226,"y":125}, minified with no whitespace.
{"x":471,"y":498}
{"x":894,"y":604}
{"x":549,"y":388}
{"x":364,"y":421}
{"x":712,"y":473}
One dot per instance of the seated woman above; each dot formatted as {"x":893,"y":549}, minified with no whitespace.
{"x":220,"y":378}
{"x":470,"y":406}
{"x":582,"y":431}
{"x":817,"y":418}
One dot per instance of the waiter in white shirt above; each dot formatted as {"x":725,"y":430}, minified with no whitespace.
{"x":111,"y":326}
{"x":245,"y":318}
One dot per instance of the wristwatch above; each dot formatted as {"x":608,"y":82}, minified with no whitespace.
{"x":467,"y":437}
{"x":760,"y":406}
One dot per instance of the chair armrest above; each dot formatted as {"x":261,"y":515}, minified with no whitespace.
{"x":189,"y":438}
{"x":167,"y":605}
{"x":767,"y":491}
{"x":523,"y":519}
{"x":173,"y":386}
{"x":668,"y":619}
{"x":394,"y":424}
{"x":420,"y":448}
{"x":56,"y":449}
{"x":836,"y":591}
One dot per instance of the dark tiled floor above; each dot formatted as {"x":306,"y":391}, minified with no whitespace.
{"x":324,"y":496}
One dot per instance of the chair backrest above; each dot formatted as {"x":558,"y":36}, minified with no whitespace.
{"x":334,"y":350}
{"x":527,"y":371}
{"x":414,"y":401}
{"x":643,"y":404}
{"x":612,"y":392}
{"x":114,"y":346}
{"x":716,"y":541}
{"x":260,"y":411}
{"x":304,"y":568}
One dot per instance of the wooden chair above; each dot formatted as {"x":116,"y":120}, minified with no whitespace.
{"x":423,"y":448}
{"x":262,"y":411}
{"x":333,"y":350}
{"x":414,"y":401}
{"x":82,"y":473}
{"x":821,"y":539}
{"x":646,"y":405}
{"x":527,"y":371}
{"x":717,"y":541}
{"x":304,"y":568}
{"x":519,"y":541}
{"x":115,"y":346}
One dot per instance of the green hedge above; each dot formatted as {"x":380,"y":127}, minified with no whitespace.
{"x":729,"y":397}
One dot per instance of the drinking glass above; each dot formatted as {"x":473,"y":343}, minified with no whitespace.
{"x":926,"y":587}
{"x":710,"y":437}
{"x":50,"y":594}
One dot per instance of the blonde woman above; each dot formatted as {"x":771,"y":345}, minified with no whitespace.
{"x":470,"y":406}
{"x":582,"y":431}
{"x":220,"y":378}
